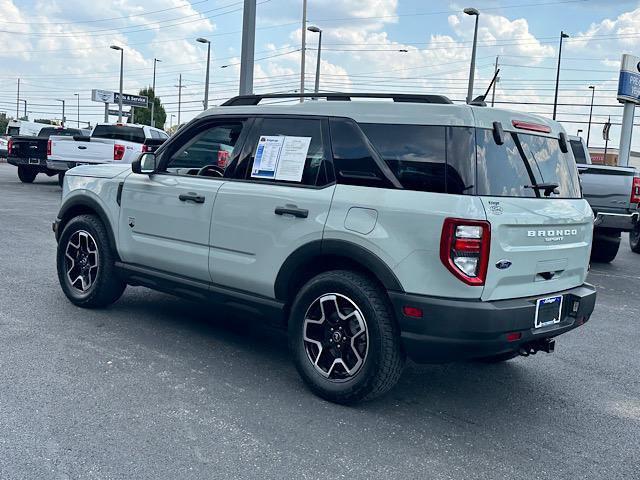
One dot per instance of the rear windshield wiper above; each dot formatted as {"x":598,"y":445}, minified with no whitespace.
{"x":548,"y":188}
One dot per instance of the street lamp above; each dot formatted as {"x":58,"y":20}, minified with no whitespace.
{"x":555,"y":100}
{"x":153,"y":102}
{"x":472,"y":69}
{"x":77,"y":95}
{"x":319,"y":32}
{"x":593,"y":94}
{"x":58,"y":100}
{"x":115,"y":47}
{"x":206,"y":80}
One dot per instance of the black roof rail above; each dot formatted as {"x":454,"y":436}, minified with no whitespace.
{"x":338,"y":97}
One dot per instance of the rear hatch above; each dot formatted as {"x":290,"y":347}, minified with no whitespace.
{"x":608,"y":189}
{"x":541,"y":228}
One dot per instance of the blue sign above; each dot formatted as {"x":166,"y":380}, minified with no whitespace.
{"x":629,"y":87}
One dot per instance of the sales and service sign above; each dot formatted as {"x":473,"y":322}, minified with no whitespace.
{"x":107,"y":96}
{"x":629,"y":82}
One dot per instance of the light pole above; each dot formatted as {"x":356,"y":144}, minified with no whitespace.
{"x":115,"y":47}
{"x":555,"y":100}
{"x":171,"y":121}
{"x":153,"y":101}
{"x":319,"y":32}
{"x":77,"y":95}
{"x":248,"y":47}
{"x":206,"y":79}
{"x":593,"y":94}
{"x":57,"y":99}
{"x":472,"y":68}
{"x":304,"y":47}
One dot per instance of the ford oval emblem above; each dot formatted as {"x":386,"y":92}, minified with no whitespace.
{"x":503,"y":264}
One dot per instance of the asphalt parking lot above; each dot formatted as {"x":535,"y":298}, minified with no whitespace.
{"x":158,"y":387}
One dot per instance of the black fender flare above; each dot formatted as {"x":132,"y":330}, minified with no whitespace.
{"x":83,"y":205}
{"x":317,"y":249}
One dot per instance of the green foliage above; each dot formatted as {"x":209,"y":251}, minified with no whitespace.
{"x":143,"y":115}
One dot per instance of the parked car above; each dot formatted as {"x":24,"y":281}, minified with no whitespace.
{"x":29,"y":153}
{"x":614,"y":196}
{"x":375,"y":230}
{"x":4,"y":147}
{"x":108,"y":143}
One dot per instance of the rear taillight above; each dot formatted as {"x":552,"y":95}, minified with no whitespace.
{"x":464,"y":249}
{"x":118,"y":152}
{"x":9,"y":147}
{"x":48,"y":147}
{"x":635,"y":190}
{"x":146,"y":148}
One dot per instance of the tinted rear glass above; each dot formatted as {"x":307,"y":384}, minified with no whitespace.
{"x":426,"y":158}
{"x":63,"y":132}
{"x":578,"y":151}
{"x":119,"y":132}
{"x":511,"y":169}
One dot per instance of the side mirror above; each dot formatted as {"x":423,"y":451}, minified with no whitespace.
{"x":146,"y":163}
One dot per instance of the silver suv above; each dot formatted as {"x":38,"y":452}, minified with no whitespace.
{"x":375,"y":230}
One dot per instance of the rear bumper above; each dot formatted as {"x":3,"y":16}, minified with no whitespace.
{"x":61,"y":165}
{"x":453,"y":329}
{"x":617,"y":221}
{"x":30,"y":162}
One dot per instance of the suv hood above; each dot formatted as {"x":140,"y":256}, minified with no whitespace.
{"x":99,"y":171}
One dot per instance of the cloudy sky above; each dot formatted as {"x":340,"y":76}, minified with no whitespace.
{"x":61,"y":47}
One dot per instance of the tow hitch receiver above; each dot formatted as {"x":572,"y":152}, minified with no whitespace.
{"x":544,"y":345}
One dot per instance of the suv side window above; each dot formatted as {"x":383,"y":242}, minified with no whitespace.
{"x":213,"y":147}
{"x":352,"y":158}
{"x":306,"y":129}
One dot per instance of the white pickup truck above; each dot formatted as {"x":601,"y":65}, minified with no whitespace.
{"x":108,"y":143}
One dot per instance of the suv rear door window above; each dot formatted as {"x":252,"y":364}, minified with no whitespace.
{"x":509,"y":170}
{"x":119,"y":132}
{"x":578,"y":151}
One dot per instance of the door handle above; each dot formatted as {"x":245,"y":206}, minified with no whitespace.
{"x":191,"y":197}
{"x":82,"y":147}
{"x":292,"y":210}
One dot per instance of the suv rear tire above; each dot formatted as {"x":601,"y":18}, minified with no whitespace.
{"x":344,"y":338}
{"x":61,"y":178}
{"x":605,"y":246}
{"x":85,"y":263}
{"x":26,"y":174}
{"x":634,"y":238}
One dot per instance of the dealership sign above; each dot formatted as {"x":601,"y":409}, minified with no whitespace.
{"x":629,"y":82}
{"x":107,"y":96}
{"x":115,"y":112}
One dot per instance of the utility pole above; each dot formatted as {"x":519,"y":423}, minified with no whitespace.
{"x":248,"y":47}
{"x":493,"y":94}
{"x":153,"y":102}
{"x":25,"y":109}
{"x":555,"y":101}
{"x":304,"y":47}
{"x":180,"y":87}
{"x":78,"y":97}
{"x":18,"y":102}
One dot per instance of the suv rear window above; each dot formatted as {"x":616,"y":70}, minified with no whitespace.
{"x":119,"y":132}
{"x":511,"y":169}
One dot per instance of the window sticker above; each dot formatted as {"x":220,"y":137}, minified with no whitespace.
{"x":280,"y":157}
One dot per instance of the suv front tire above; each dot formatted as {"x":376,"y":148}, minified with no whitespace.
{"x":86,"y":264}
{"x":344,"y":338}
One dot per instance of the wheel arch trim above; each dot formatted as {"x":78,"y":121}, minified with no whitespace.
{"x":316,"y":250}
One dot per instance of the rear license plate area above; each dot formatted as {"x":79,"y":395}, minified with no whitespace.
{"x":34,"y":161}
{"x":548,"y":311}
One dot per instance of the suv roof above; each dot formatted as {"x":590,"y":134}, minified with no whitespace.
{"x":405,"y":109}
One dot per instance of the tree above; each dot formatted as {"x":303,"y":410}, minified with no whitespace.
{"x":142,"y":116}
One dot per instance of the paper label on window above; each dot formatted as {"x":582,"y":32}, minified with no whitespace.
{"x":281,"y":157}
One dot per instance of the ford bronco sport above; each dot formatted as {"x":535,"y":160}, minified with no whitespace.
{"x":375,"y":229}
